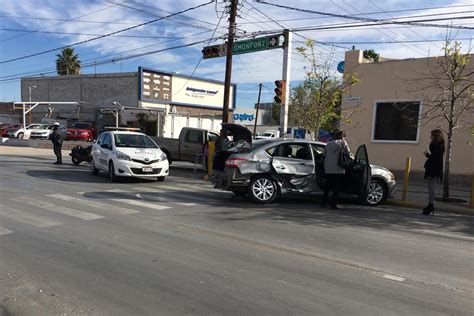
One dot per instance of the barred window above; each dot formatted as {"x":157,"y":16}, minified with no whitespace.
{"x":396,"y":121}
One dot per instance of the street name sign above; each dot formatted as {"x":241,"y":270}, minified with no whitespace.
{"x":244,"y":47}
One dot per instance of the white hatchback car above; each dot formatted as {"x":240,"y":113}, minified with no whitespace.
{"x":128,"y":154}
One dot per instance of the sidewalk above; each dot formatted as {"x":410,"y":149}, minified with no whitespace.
{"x":417,"y":197}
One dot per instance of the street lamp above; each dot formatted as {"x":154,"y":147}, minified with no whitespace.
{"x":29,"y":91}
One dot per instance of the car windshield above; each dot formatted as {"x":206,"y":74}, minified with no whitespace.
{"x":267,"y":134}
{"x":133,"y":141}
{"x":81,"y":125}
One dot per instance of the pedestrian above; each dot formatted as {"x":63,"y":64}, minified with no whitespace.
{"x":433,"y":167}
{"x":57,"y":140}
{"x":222,"y":141}
{"x":333,"y":169}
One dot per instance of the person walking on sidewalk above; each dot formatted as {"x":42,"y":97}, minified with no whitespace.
{"x":334,"y":172}
{"x":433,"y":167}
{"x":57,"y":140}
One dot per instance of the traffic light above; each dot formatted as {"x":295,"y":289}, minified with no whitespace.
{"x":213,"y":51}
{"x":280,"y":91}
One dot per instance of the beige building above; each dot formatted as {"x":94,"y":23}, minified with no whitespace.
{"x":385,"y":107}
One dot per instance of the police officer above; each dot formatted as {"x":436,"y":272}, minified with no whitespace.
{"x":57,"y":140}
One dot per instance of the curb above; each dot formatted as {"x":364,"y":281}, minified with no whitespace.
{"x":441,"y":208}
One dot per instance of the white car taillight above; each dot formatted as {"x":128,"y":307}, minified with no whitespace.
{"x":234,"y":162}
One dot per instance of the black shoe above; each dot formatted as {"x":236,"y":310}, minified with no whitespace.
{"x":333,"y":207}
{"x":428,"y":210}
{"x":56,"y":163}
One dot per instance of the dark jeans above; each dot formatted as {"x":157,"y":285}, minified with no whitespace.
{"x":57,"y":152}
{"x":333,"y":183}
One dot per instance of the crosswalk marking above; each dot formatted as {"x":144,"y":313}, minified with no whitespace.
{"x":141,"y":203}
{"x":4,"y":231}
{"x":115,"y":209}
{"x":58,"y":209}
{"x":27,"y":218}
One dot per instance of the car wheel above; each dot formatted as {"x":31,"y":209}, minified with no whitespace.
{"x":112,"y":175}
{"x":263,"y":189}
{"x":20,"y":136}
{"x":168,"y":157}
{"x":160,"y":179}
{"x":377,"y":193}
{"x":94,"y":170}
{"x":75,"y":161}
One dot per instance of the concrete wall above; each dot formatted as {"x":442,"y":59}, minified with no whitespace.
{"x":391,"y":81}
{"x":95,"y":91}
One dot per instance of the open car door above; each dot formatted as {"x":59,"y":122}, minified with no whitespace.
{"x":361,"y":173}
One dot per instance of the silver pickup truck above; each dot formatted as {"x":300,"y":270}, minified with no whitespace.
{"x":191,"y":141}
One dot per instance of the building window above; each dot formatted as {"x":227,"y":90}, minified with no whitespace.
{"x":396,"y":121}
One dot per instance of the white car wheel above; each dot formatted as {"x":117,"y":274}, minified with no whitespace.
{"x":263,"y":189}
{"x":377,"y":193}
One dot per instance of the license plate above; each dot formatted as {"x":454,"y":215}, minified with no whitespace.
{"x":147,"y":169}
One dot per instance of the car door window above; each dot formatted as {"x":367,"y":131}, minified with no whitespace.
{"x":293,"y":151}
{"x":194,"y":137}
{"x":101,"y":138}
{"x":107,"y":141}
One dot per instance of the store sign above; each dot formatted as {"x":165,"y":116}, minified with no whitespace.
{"x":197,"y":92}
{"x":155,"y":86}
{"x":244,"y":117}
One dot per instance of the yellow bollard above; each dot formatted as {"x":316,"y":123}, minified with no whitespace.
{"x":406,"y":178}
{"x":210,"y":154}
{"x":471,"y":200}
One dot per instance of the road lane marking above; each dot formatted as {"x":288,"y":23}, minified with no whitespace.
{"x":141,"y":203}
{"x":27,"y":218}
{"x":4,"y":231}
{"x":58,"y":209}
{"x":393,"y":277}
{"x":116,"y":191}
{"x":187,"y":204}
{"x":106,"y":207}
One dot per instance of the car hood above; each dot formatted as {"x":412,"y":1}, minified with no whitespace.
{"x":238,"y":132}
{"x":140,"y":153}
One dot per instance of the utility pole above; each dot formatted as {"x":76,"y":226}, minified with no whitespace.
{"x":286,"y":79}
{"x":258,"y":106}
{"x":228,"y":61}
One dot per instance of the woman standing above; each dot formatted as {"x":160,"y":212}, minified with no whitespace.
{"x":333,"y":170}
{"x":433,"y":167}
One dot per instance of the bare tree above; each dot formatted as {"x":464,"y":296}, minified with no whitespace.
{"x":316,"y":102}
{"x":451,"y":76}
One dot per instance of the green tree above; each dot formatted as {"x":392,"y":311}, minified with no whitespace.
{"x":371,"y":54}
{"x":68,"y":63}
{"x":316,"y":102}
{"x":451,"y":78}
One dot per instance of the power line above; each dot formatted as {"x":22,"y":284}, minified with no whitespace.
{"x":394,"y":42}
{"x":377,"y":21}
{"x":50,"y":69}
{"x":56,"y":24}
{"x":113,"y":60}
{"x":88,"y":34}
{"x":106,"y":35}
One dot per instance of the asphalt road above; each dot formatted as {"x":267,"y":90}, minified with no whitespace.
{"x":72,"y":243}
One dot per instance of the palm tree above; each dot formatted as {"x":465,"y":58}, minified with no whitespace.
{"x":68,"y":63}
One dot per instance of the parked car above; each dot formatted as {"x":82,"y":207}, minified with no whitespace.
{"x":128,"y":154}
{"x":191,"y":141}
{"x":20,"y":131}
{"x":7,"y":128}
{"x":41,"y":132}
{"x":266,"y":169}
{"x":81,"y":131}
{"x":267,"y":135}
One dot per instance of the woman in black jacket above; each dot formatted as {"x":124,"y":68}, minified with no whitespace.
{"x":434,"y":167}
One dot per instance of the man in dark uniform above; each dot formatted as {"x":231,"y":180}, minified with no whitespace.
{"x":57,"y":140}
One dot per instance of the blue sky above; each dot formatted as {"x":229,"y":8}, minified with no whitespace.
{"x":84,"y":19}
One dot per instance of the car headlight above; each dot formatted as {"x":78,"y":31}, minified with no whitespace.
{"x":122,"y":156}
{"x":163,"y":156}
{"x":391,"y":176}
